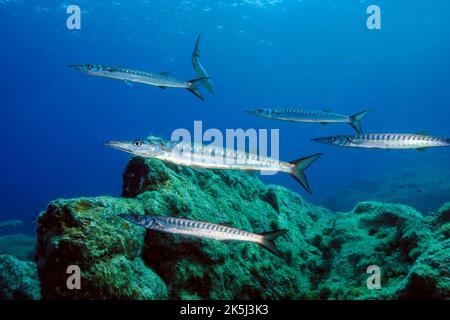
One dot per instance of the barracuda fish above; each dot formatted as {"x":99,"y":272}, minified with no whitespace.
{"x":10,"y":224}
{"x":419,"y":141}
{"x":129,"y":76}
{"x":304,"y":115}
{"x":207,"y":230}
{"x":199,"y":69}
{"x":212,"y":157}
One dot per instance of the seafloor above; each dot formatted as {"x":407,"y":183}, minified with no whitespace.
{"x":325,"y":255}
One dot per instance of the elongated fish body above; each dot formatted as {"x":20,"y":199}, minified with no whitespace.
{"x":202,"y":229}
{"x":129,"y":76}
{"x":305,"y":115}
{"x":212,"y":157}
{"x":198,"y":67}
{"x":395,"y":141}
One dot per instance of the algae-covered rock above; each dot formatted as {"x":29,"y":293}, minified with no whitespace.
{"x":429,"y":278}
{"x":389,"y":236}
{"x":324,"y":255}
{"x":18,"y":279}
{"x":87,"y":233}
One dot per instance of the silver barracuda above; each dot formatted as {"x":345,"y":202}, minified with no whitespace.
{"x":129,"y":76}
{"x":418,"y":142}
{"x":198,"y":67}
{"x":305,"y":115}
{"x":207,"y":230}
{"x":212,"y":157}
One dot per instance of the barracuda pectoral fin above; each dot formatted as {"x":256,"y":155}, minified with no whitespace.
{"x":129,"y":83}
{"x":300,"y":166}
{"x":269,"y":238}
{"x":169,"y":145}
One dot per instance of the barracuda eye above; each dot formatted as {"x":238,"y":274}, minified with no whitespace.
{"x":137,"y":143}
{"x":153,"y":223}
{"x":89,"y":66}
{"x":332,"y":139}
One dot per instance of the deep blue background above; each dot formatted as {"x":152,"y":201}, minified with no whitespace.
{"x":314,"y":54}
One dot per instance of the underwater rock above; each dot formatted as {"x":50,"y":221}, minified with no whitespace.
{"x":20,"y":246}
{"x":18,"y":279}
{"x":324,"y":255}
{"x":87,"y":233}
{"x":429,"y":278}
{"x":389,"y":236}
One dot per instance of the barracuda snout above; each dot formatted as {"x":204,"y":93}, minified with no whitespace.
{"x":136,"y":219}
{"x":325,"y":140}
{"x":143,"y":148}
{"x":120,"y":145}
{"x":88,"y":68}
{"x":335,"y":140}
{"x":258,"y":112}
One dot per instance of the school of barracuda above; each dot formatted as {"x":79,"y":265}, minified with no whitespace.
{"x":202,"y":156}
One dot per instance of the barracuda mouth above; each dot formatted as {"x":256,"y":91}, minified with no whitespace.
{"x":129,"y":217}
{"x":322,"y":140}
{"x":77,"y":67}
{"x":123,"y":146}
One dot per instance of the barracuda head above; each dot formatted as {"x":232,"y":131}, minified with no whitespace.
{"x":88,"y":68}
{"x":153,"y":147}
{"x":341,"y":140}
{"x":137,"y":219}
{"x":262,"y":112}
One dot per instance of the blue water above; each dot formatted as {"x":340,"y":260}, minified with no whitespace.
{"x":312,"y":54}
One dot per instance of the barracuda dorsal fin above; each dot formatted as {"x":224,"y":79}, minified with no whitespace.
{"x":165,"y":73}
{"x":421,"y":133}
{"x":324,"y":123}
{"x":327,"y":111}
{"x":421,"y":149}
{"x":162,"y":87}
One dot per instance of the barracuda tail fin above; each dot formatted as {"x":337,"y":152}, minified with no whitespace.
{"x":197,"y":46}
{"x":269,"y":238}
{"x":300,"y":166}
{"x":193,"y":87}
{"x":355,"y":120}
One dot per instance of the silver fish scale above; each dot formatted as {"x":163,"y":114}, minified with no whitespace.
{"x":202,"y":229}
{"x":144,"y":74}
{"x":308,"y":114}
{"x":199,"y":153}
{"x":398,"y":140}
